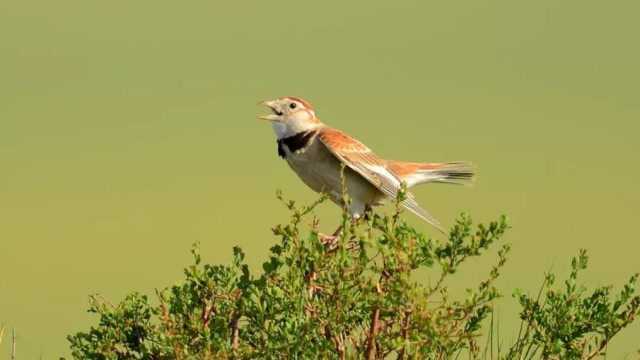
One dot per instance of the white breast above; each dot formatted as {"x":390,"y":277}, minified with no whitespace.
{"x":321,"y":171}
{"x":280,"y":129}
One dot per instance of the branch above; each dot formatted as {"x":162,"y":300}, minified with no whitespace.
{"x":207,"y":310}
{"x":405,"y":333}
{"x":339,"y":347}
{"x":373,"y":330}
{"x":630,"y":316}
{"x":13,"y":344}
{"x":235,"y":331}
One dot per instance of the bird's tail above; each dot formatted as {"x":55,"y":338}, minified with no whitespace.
{"x":461,"y":173}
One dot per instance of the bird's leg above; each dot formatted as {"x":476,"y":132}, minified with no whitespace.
{"x":367,"y":212}
{"x":331,"y":240}
{"x":337,"y":232}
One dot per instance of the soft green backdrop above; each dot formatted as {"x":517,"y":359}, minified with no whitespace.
{"x":128,"y":131}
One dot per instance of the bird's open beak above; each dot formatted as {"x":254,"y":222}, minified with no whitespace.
{"x":275,"y":116}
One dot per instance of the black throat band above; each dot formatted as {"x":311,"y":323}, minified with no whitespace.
{"x":295,"y":142}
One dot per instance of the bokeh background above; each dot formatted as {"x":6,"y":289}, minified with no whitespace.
{"x":128,"y":131}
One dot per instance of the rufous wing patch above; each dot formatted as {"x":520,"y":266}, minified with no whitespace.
{"x":362,"y":160}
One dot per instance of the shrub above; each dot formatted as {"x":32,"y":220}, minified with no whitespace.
{"x":357,"y":297}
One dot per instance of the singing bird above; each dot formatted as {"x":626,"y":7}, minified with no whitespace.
{"x":317,"y":153}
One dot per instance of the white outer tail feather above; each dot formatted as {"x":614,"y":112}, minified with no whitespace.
{"x":460,"y":173}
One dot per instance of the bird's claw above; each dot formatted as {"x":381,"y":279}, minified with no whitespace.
{"x":330,"y":241}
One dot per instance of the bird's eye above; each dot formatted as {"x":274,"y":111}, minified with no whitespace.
{"x":292,"y":105}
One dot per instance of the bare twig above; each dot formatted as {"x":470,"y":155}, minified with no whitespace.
{"x":235,"y":331}
{"x":339,"y":342}
{"x":373,"y":330}
{"x":168,"y":326}
{"x":520,"y":342}
{"x":311,"y":287}
{"x":13,"y":344}
{"x":405,"y":333}
{"x":605,"y":341}
{"x":432,"y":290}
{"x":207,"y":311}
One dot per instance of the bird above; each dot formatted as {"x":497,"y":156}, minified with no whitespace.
{"x":321,"y":155}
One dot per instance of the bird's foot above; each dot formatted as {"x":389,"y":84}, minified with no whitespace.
{"x":329,"y":241}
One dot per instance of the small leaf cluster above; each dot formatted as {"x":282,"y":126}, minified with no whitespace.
{"x":125,"y":330}
{"x":569,"y":322}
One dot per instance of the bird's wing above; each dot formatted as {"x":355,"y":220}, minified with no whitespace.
{"x":362,"y":160}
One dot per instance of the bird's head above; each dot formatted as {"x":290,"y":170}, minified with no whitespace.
{"x":290,"y":115}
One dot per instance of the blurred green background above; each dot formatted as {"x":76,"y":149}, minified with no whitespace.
{"x":128,"y":131}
